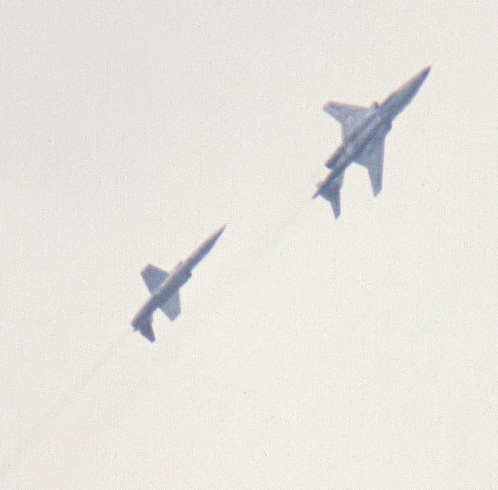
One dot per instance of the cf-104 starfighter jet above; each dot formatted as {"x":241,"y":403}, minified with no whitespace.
{"x":165,"y":288}
{"x":363,"y":132}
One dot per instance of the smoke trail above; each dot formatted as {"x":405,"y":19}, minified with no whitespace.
{"x":39,"y":428}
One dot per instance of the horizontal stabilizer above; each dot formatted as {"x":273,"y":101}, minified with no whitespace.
{"x":349,"y":116}
{"x":171,"y":307}
{"x":153,"y":277}
{"x":146,"y":330}
{"x":332,"y":193}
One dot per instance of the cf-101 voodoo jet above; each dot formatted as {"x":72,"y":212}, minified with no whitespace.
{"x":363,"y":132}
{"x":165,"y":288}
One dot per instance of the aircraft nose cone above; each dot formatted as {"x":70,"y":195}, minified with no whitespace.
{"x":420,"y":78}
{"x":216,"y":235}
{"x":219,"y":232}
{"x":411,"y":87}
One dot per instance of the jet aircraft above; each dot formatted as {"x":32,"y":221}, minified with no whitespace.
{"x":363,"y":132}
{"x":165,"y":288}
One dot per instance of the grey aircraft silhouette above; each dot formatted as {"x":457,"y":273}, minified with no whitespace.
{"x":363,"y":132}
{"x":165,"y":288}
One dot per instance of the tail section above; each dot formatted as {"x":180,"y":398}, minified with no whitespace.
{"x":331,"y":191}
{"x":146,"y":330}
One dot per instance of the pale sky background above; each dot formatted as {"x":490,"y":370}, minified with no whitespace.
{"x":360,"y":353}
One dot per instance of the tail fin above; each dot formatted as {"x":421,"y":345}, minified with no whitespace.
{"x":146,"y":330}
{"x":331,"y":191}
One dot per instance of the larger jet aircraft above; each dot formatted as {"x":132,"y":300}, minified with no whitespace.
{"x":363,"y":132}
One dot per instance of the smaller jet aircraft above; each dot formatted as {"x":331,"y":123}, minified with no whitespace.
{"x":165,"y":288}
{"x":363,"y":132}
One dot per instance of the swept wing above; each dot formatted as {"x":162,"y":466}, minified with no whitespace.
{"x":349,"y":116}
{"x":372,"y":156}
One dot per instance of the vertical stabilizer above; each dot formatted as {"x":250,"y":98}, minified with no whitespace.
{"x":146,"y":330}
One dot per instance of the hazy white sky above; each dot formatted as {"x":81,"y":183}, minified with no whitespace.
{"x":310,"y":353}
